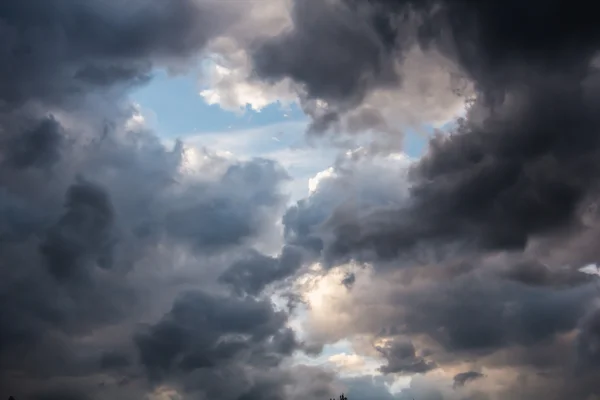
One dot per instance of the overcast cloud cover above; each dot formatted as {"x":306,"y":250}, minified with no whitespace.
{"x":136,"y":268}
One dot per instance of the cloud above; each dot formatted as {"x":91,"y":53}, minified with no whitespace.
{"x":505,"y":175}
{"x":40,"y":145}
{"x":254,"y":272}
{"x":519,"y":310}
{"x":111,"y":241}
{"x":349,"y":50}
{"x":118,"y":42}
{"x":133,"y":268}
{"x":212,"y":332}
{"x":82,"y":233}
{"x":588,"y":340}
{"x":355,"y":184}
{"x":401,"y":357}
{"x":91,"y":236}
{"x":464,"y":377}
{"x":228,"y":83}
{"x":472,"y":252}
{"x":368,"y":387}
{"x":361,"y":60}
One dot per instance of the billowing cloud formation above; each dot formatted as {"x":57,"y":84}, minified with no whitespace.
{"x":113,"y":243}
{"x":254,"y":272}
{"x":516,"y":312}
{"x":478,"y":261}
{"x":402,"y":358}
{"x":91,"y":249}
{"x":465,"y":377}
{"x":212,"y":336}
{"x":132,"y":268}
{"x":55,"y":51}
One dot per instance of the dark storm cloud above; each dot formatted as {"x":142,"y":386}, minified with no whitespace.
{"x":588,"y":340}
{"x":463,"y":378}
{"x":61,"y":395}
{"x":205,"y":331}
{"x":54,"y":51}
{"x":101,"y":223}
{"x":519,"y":168}
{"x":82,"y":235}
{"x":254,"y":272}
{"x":522,"y":161}
{"x":523,"y":171}
{"x":535,"y":273}
{"x":333,"y":50}
{"x":77,"y":245}
{"x":38,"y":146}
{"x":113,"y":360}
{"x":401,"y":357}
{"x":512,"y":177}
{"x":82,"y":204}
{"x":222,"y":347}
{"x":341,"y":49}
{"x":507,"y":173}
{"x":473,"y":313}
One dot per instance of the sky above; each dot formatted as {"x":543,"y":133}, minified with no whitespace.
{"x":173,"y":105}
{"x":294,"y":199}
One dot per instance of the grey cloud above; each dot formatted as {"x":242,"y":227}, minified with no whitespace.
{"x":517,"y":170}
{"x":348,"y":59}
{"x":61,"y":395}
{"x":38,"y":146}
{"x":84,"y":243}
{"x":535,"y":273}
{"x":377,"y":34}
{"x":204,"y":331}
{"x":114,"y":360}
{"x":493,"y":185}
{"x":229,"y":348}
{"x":463,"y":378}
{"x":225,"y":219}
{"x":54,"y":52}
{"x":402,"y":357}
{"x":358,"y":184}
{"x":254,"y":272}
{"x":340,"y":52}
{"x":472,"y":314}
{"x":588,"y":340}
{"x":521,"y":163}
{"x":496,"y":283}
{"x":82,"y":235}
{"x":97,"y":216}
{"x":488,"y":315}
